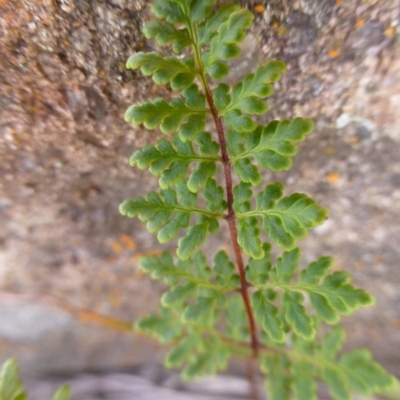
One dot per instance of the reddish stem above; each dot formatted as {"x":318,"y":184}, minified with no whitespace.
{"x":232,"y":221}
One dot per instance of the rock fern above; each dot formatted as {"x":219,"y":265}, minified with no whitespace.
{"x":242,"y":303}
{"x":11,"y":387}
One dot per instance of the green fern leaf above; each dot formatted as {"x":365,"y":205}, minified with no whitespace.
{"x":274,"y":146}
{"x":364,"y":375}
{"x":194,"y":272}
{"x":323,"y":309}
{"x":329,"y":298}
{"x":195,"y":351}
{"x":169,"y":10}
{"x":247,"y":172}
{"x":337,"y":383}
{"x":266,"y":314}
{"x":196,"y":236}
{"x":303,"y":384}
{"x":242,"y":123}
{"x":206,"y":146}
{"x":203,"y":310}
{"x":199,"y":266}
{"x":242,"y":193}
{"x":222,"y":99}
{"x":209,"y":28}
{"x":248,"y":230}
{"x":224,"y":45}
{"x":180,"y":73}
{"x":11,"y":387}
{"x":258,"y":270}
{"x":200,"y":10}
{"x":63,"y":393}
{"x":165,"y":326}
{"x":179,"y":294}
{"x":249,"y":237}
{"x":342,"y":296}
{"x":237,"y":327}
{"x":214,"y":196}
{"x":170,"y":211}
{"x":297,"y":316}
{"x":203,"y":314}
{"x":223,"y":268}
{"x":316,"y":271}
{"x":286,"y":266}
{"x":288,"y":220}
{"x":246,"y":95}
{"x":210,"y":356}
{"x":172,"y":161}
{"x":165,"y":33}
{"x":291,"y":218}
{"x":203,"y":172}
{"x":278,"y":382}
{"x":179,"y":354}
{"x":332,"y":343}
{"x":170,"y":116}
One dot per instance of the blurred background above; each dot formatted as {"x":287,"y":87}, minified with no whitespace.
{"x":64,"y":150}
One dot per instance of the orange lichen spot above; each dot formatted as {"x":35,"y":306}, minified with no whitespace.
{"x":226,"y":247}
{"x":111,"y":260}
{"x":137,"y":257}
{"x":138,"y":273}
{"x":329,"y":150}
{"x":275,"y":25}
{"x":395,"y":323}
{"x":154,"y":252}
{"x":389,"y":32}
{"x":359,"y":266}
{"x":338,"y":2}
{"x":282,"y":31}
{"x":360,"y":22}
{"x":354,"y":139}
{"x":116,"y":247}
{"x":378,"y":258}
{"x":66,"y":42}
{"x":259,"y":8}
{"x":333,"y":177}
{"x":116,"y":299}
{"x":334,"y":53}
{"x":128,"y":242}
{"x":335,"y":266}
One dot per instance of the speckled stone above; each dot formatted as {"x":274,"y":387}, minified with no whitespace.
{"x":64,"y":148}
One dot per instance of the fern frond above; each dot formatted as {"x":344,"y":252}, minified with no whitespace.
{"x":172,"y":160}
{"x":179,"y":73}
{"x":285,"y":221}
{"x":188,"y":116}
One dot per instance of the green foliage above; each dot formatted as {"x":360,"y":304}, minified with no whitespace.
{"x":63,"y":393}
{"x":188,"y":115}
{"x":170,"y":211}
{"x":271,"y":146}
{"x":285,"y":221}
{"x":200,"y":355}
{"x":11,"y":387}
{"x":209,"y":311}
{"x":180,"y":73}
{"x":246,"y":97}
{"x":172,"y":160}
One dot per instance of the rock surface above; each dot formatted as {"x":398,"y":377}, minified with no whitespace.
{"x":64,"y":148}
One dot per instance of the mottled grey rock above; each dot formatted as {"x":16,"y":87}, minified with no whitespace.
{"x":64,"y":148}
